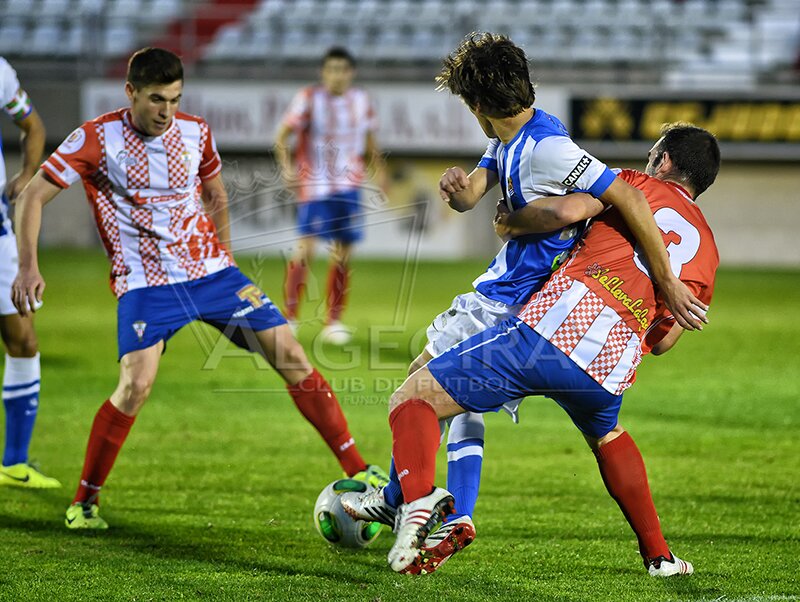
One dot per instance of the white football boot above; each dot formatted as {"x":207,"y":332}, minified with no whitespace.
{"x":413,"y":524}
{"x":368,"y":506}
{"x":336,"y":333}
{"x":663,"y":567}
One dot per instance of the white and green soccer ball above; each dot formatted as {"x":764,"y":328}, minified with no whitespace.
{"x":335,"y":525}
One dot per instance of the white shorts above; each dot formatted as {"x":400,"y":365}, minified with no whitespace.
{"x":8,"y":271}
{"x":469,"y":314}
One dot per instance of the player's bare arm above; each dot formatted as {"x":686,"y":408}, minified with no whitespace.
{"x":28,"y":286}
{"x":283,"y":155}
{"x":547,"y":214}
{"x":461,"y":191}
{"x":215,"y":202}
{"x":688,"y":310}
{"x":31,"y":140}
{"x":668,"y":342}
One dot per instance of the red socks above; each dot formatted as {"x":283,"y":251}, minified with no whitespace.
{"x":337,"y":291}
{"x":623,"y":472}
{"x":315,"y":400}
{"x":415,"y":439}
{"x":295,"y":284}
{"x":109,"y":430}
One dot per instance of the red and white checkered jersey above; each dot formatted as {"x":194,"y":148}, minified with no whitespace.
{"x":331,"y":139}
{"x":601,"y":308}
{"x":145,"y":193}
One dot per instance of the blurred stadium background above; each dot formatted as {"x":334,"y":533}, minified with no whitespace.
{"x":613,"y":70}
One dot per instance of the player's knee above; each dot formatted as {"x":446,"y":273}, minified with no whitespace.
{"x":25,"y":346}
{"x":138,"y":389}
{"x":293,"y":357}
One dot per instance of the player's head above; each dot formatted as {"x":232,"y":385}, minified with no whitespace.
{"x":154,"y":85}
{"x":490,"y":74}
{"x":687,"y":154}
{"x":338,"y":70}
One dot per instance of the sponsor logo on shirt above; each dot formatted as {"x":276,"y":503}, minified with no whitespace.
{"x":123,"y":158}
{"x":577,"y":171}
{"x":613,"y":284}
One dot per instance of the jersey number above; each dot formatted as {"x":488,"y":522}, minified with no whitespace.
{"x":682,"y":240}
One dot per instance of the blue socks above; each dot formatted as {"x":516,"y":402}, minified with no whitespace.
{"x":392,"y":493}
{"x":464,"y":462}
{"x":21,"y":401}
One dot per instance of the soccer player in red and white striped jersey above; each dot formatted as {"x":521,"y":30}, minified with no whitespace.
{"x":152,"y":178}
{"x":334,"y":124}
{"x":578,"y":341}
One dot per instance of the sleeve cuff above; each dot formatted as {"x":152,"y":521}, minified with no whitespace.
{"x":489,"y":164}
{"x":602,"y":183}
{"x":53,"y":177}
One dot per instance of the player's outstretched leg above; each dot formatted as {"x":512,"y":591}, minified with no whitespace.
{"x":316,"y":401}
{"x":623,"y":471}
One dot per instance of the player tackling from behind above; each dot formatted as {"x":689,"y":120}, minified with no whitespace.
{"x":578,"y":341}
{"x":529,"y":157}
{"x":153,"y":177}
{"x":334,"y":126}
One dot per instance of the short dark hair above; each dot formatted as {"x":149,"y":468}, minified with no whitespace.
{"x":150,"y":66}
{"x":490,"y":73}
{"x":339,"y":52}
{"x":693,"y":151}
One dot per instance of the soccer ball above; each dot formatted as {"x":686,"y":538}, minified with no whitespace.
{"x":335,"y":525}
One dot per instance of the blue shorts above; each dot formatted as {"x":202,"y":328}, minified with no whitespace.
{"x":511,"y":361}
{"x":335,"y":218}
{"x":227,"y":300}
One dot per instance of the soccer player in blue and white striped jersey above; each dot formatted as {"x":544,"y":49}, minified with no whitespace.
{"x":22,"y":372}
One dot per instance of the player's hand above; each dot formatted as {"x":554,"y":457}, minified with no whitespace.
{"x":688,"y":310}
{"x":501,"y":227}
{"x":16,"y":184}
{"x":27,"y":290}
{"x":453,"y":181}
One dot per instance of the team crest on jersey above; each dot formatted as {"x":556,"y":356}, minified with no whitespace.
{"x":186,"y":157}
{"x":510,"y":187}
{"x":138,"y":328}
{"x":73,"y":143}
{"x":124,"y":158}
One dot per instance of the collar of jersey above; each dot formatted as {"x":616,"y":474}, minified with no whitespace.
{"x":682,"y":190}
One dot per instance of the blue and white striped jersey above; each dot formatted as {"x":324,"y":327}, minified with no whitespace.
{"x":541,"y":160}
{"x":14,"y":103}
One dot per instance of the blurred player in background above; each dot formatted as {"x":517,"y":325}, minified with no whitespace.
{"x":153,"y":178}
{"x":578,"y":341}
{"x":22,"y":370}
{"x":531,"y":156}
{"x":334,"y":124}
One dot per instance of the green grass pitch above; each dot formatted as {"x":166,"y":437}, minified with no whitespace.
{"x":212,"y":495}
